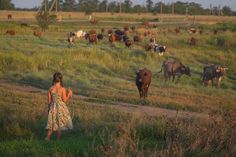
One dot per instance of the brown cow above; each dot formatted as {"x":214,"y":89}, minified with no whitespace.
{"x":112,"y":38}
{"x":174,"y":67}
{"x":211,"y":72}
{"x":92,"y":38}
{"x":137,"y":38}
{"x":128,"y":43}
{"x":193,"y":41}
{"x":9,"y":16}
{"x":38,"y":33}
{"x":143,"y":81}
{"x":192,"y":30}
{"x":11,"y":32}
{"x":177,"y":30}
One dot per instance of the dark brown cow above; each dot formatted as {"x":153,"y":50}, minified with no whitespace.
{"x":99,"y":36}
{"x":38,"y":33}
{"x":133,"y":28}
{"x":193,"y":41}
{"x":137,"y":38}
{"x":211,"y":72}
{"x":128,"y":43}
{"x":143,"y":81}
{"x":177,"y":30}
{"x":11,"y":32}
{"x":174,"y":67}
{"x":149,"y":46}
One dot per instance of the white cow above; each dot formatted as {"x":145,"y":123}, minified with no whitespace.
{"x":80,"y":34}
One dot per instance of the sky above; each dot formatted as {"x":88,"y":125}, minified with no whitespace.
{"x":204,"y":3}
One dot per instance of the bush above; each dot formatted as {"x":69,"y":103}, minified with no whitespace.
{"x":44,"y":19}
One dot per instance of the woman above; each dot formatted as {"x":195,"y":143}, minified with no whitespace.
{"x":58,"y":115}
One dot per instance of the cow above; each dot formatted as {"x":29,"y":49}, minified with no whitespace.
{"x":80,"y":34}
{"x":177,"y":30}
{"x":174,"y":67}
{"x":71,"y":38}
{"x":9,"y":16}
{"x":193,"y":41}
{"x":133,"y":28}
{"x":128,"y":43}
{"x":24,"y":24}
{"x":112,"y":38}
{"x":11,"y":32}
{"x":215,"y":32}
{"x":109,"y":31}
{"x":94,"y":21}
{"x":92,"y":38}
{"x":118,"y":37}
{"x":143,"y":81}
{"x":125,"y":37}
{"x":159,"y":49}
{"x":119,"y":32}
{"x":211,"y":72}
{"x":38,"y":34}
{"x":137,"y":38}
{"x":100,"y":36}
{"x":192,"y":30}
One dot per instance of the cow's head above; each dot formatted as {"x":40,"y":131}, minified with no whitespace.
{"x":185,"y":70}
{"x":220,"y":71}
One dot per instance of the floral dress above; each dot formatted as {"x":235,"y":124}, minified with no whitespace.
{"x":58,"y":116}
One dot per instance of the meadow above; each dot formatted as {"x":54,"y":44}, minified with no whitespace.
{"x":102,"y":76}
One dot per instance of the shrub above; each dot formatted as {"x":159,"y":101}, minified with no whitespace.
{"x":44,"y":19}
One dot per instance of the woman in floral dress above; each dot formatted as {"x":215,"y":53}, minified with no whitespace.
{"x":58,"y":114}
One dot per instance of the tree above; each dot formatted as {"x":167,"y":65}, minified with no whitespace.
{"x":69,"y":5}
{"x":127,"y":6}
{"x":6,"y":5}
{"x":138,"y":8}
{"x":102,"y":7}
{"x":227,"y":11}
{"x":44,"y":19}
{"x":149,"y":5}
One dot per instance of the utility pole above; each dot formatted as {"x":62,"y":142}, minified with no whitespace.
{"x":173,"y":8}
{"x":120,"y":6}
{"x":210,"y":9}
{"x":161,"y":7}
{"x":45,"y":5}
{"x":107,"y":6}
{"x":219,"y":12}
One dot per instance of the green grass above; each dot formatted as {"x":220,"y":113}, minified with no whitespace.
{"x":106,"y":75}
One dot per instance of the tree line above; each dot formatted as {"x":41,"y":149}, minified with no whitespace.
{"x":127,"y":6}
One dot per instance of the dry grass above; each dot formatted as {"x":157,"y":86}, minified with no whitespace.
{"x":30,"y":15}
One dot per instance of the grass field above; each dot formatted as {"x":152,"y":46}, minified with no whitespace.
{"x":105,"y":74}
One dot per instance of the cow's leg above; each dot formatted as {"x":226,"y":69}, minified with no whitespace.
{"x":173,"y":78}
{"x":219,"y":81}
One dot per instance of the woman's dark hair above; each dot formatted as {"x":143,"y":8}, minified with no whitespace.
{"x":57,"y":77}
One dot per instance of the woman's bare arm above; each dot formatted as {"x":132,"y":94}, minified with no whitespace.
{"x":49,"y":97}
{"x":65,"y":97}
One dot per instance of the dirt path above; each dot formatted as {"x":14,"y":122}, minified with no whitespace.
{"x":124,"y":107}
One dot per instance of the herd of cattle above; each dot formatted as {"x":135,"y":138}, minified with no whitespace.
{"x":174,"y":67}
{"x":171,"y":67}
{"x":117,"y":36}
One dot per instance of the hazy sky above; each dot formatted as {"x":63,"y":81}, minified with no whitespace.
{"x":205,"y":3}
